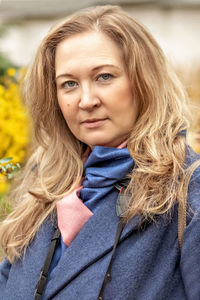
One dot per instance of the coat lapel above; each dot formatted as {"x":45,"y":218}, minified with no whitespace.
{"x":94,"y":240}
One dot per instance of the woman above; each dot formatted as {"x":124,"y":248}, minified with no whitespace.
{"x":109,"y":114}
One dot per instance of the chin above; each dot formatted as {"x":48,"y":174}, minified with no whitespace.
{"x":102,"y":144}
{"x":100,"y":140}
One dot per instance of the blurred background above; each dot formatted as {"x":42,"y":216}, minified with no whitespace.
{"x":23,"y":23}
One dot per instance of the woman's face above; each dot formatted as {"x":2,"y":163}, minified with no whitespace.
{"x":93,"y":89}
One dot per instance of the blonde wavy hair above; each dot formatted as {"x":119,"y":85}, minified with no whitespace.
{"x":155,"y":143}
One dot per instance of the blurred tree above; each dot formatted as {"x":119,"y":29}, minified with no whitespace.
{"x":5,"y":64}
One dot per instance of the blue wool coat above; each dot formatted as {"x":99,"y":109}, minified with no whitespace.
{"x":147,"y":264}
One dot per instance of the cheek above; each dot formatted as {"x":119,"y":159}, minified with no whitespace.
{"x":126,"y":111}
{"x":65,"y":107}
{"x":123,"y":104}
{"x":69,"y":111}
{"x":68,"y":115}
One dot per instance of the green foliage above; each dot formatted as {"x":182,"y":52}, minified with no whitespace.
{"x":5,"y":207}
{"x":7,"y":168}
{"x":5,"y":64}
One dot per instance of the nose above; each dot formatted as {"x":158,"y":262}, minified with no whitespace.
{"x":88,"y":99}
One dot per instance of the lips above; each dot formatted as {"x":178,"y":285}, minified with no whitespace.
{"x":94,"y":123}
{"x":92,"y":120}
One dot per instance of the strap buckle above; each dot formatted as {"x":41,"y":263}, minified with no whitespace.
{"x":40,"y":285}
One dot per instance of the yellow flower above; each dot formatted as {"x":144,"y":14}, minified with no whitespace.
{"x":11,"y":72}
{"x":14,"y":125}
{"x":3,"y":184}
{"x":1,"y":90}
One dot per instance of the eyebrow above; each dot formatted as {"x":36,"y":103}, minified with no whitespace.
{"x":94,"y":69}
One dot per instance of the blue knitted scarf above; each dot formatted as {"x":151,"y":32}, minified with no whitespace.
{"x":104,"y":167}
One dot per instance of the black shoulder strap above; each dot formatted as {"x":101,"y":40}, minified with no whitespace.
{"x":107,"y":276}
{"x":45,"y":269}
{"x":119,"y":208}
{"x":54,"y":242}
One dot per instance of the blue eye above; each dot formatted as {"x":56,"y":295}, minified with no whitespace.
{"x":105,"y":77}
{"x":69,"y":84}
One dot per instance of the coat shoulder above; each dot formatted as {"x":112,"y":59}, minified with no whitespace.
{"x":194,"y":183}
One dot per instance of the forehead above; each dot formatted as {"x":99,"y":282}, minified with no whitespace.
{"x":87,"y":49}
